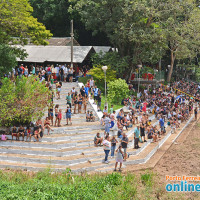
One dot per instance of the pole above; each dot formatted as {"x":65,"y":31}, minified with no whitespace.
{"x":72,"y":42}
{"x":139,"y":80}
{"x":105,"y":90}
{"x":160,"y":62}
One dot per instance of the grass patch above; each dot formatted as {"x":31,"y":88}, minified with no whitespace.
{"x":19,"y":185}
{"x":115,"y":106}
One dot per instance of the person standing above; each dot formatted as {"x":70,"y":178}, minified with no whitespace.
{"x":68,"y":115}
{"x":59,"y":117}
{"x":162,"y":124}
{"x":95,"y":93}
{"x":85,"y":102}
{"x":61,"y":73}
{"x":119,"y":158}
{"x":48,"y":73}
{"x":107,"y":146}
{"x":99,"y":101}
{"x":57,"y":69}
{"x":107,"y":123}
{"x":195,"y":113}
{"x":65,"y":73}
{"x":33,"y":70}
{"x":142,"y":131}
{"x":70,"y":73}
{"x":136,"y":136}
{"x":69,"y":99}
{"x":56,"y":114}
{"x":91,"y":82}
{"x":113,"y":146}
{"x":124,"y":143}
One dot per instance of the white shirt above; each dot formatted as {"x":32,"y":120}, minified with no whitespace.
{"x":66,"y":70}
{"x":91,"y":83}
{"x":57,"y":69}
{"x":106,"y":145}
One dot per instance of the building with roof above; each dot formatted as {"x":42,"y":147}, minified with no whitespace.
{"x":56,"y":54}
{"x":59,"y":51}
{"x":62,"y":41}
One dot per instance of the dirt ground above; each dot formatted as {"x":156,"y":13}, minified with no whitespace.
{"x":182,"y":158}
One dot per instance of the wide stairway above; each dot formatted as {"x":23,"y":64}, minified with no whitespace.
{"x":72,"y":146}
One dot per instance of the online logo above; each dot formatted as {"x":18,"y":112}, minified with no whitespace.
{"x":183,"y":185}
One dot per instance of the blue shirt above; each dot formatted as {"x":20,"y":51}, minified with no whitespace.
{"x":86,"y":90}
{"x":96,"y":91}
{"x":137,"y":132}
{"x":161,"y":121}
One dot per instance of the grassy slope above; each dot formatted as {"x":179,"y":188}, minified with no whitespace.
{"x":17,"y":185}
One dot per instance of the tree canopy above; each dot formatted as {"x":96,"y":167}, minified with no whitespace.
{"x":16,"y":20}
{"x":145,"y":30}
{"x":18,"y":26}
{"x":22,"y":101}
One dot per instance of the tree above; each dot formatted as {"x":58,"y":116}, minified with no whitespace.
{"x":8,"y":58}
{"x":99,"y":75}
{"x":53,"y":13}
{"x":117,"y":90}
{"x":131,"y":27}
{"x":22,"y":101}
{"x":180,"y":20}
{"x":112,"y":59}
{"x":16,"y":21}
{"x":18,"y":26}
{"x":145,"y":30}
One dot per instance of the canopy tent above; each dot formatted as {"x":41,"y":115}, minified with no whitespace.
{"x":103,"y":49}
{"x":58,"y":54}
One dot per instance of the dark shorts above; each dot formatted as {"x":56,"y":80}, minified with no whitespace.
{"x":142,"y":133}
{"x":95,"y":98}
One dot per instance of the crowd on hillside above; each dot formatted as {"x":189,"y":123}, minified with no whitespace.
{"x":169,"y":105}
{"x":77,"y":99}
{"x":165,"y":105}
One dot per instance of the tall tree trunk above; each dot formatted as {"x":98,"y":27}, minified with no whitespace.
{"x":173,"y":56}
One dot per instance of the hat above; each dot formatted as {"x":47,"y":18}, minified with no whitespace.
{"x":137,"y":124}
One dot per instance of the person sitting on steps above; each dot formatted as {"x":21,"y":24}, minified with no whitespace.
{"x":98,"y":140}
{"x":88,"y":116}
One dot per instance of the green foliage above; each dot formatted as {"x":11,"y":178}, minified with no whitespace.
{"x":99,"y":76}
{"x":45,"y":185}
{"x":22,"y":101}
{"x":84,"y":79}
{"x":147,"y":179}
{"x":16,"y":21}
{"x":144,"y":31}
{"x":113,"y":59}
{"x":53,"y":14}
{"x":8,"y":56}
{"x":198,"y":74}
{"x":116,"y":105}
{"x":146,"y":69}
{"x":117,"y":90}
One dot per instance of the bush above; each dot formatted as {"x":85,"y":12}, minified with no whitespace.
{"x":117,"y":90}
{"x":83,"y":79}
{"x":22,"y":101}
{"x":99,"y":76}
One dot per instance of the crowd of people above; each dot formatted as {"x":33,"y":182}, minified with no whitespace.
{"x":63,"y":73}
{"x":169,"y":105}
